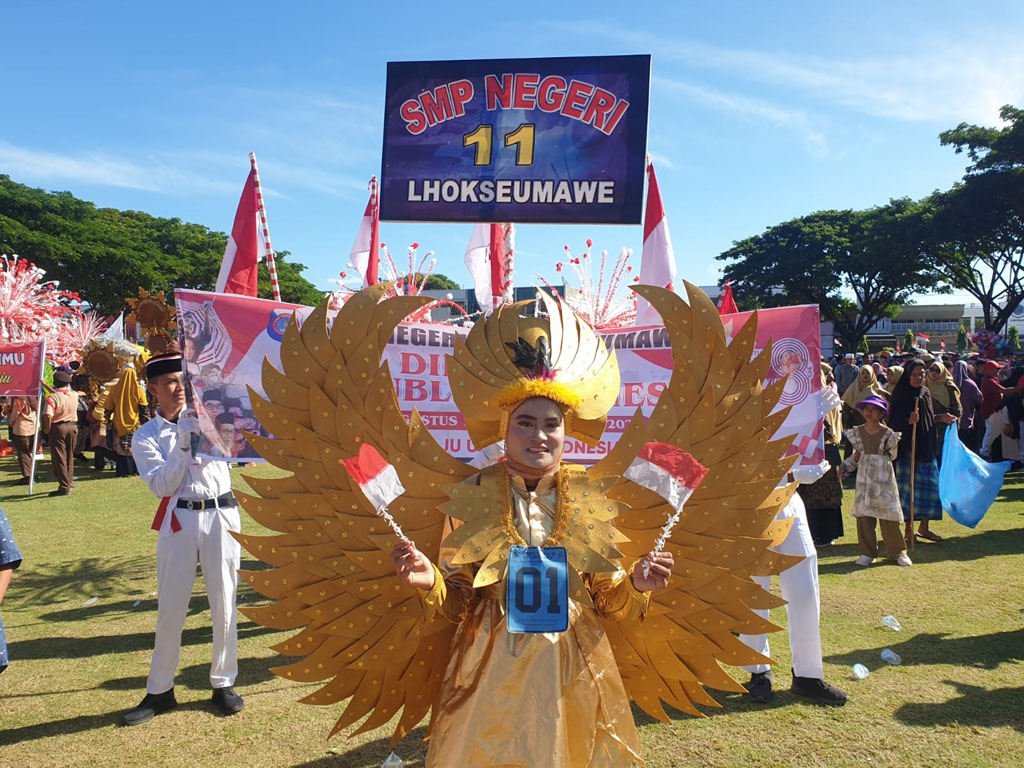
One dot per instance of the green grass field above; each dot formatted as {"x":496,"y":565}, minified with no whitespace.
{"x":78,"y":664}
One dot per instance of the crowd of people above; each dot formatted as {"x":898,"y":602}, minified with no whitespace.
{"x":78,"y":420}
{"x":895,"y":417}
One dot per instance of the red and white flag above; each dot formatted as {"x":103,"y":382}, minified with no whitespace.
{"x":658,"y":261}
{"x":942,"y":345}
{"x":246,"y":244}
{"x":669,"y":471}
{"x":487,"y":259}
{"x":922,"y":340}
{"x":365,"y":254}
{"x":726,"y":302}
{"x":377,"y":479}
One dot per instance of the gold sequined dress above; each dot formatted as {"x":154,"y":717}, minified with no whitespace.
{"x":529,"y":700}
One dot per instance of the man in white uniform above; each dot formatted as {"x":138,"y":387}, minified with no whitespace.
{"x":197,"y":515}
{"x":799,"y":585}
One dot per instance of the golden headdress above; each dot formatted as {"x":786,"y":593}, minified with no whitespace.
{"x":507,"y":359}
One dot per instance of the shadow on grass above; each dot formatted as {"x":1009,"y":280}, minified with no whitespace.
{"x":251,"y":671}
{"x":980,"y":651}
{"x":81,"y":723}
{"x":411,"y":749}
{"x":1014,"y":492}
{"x":74,"y":579}
{"x":732,"y":703}
{"x":974,"y":706}
{"x":87,"y":647}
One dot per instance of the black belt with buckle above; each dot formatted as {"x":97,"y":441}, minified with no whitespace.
{"x":227,"y":500}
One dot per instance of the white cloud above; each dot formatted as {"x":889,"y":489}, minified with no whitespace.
{"x":937,"y":80}
{"x":156,"y":174}
{"x":797,"y":120}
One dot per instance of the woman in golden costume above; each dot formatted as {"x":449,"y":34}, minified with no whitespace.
{"x":427,"y":628}
{"x":579,"y":712}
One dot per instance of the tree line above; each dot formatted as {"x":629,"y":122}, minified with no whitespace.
{"x":105,"y":254}
{"x":968,"y":238}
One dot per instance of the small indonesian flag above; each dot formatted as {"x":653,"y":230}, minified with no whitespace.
{"x":726,"y":302}
{"x":365,"y":253}
{"x":942,"y":345}
{"x":923,"y":339}
{"x":377,"y":479}
{"x":245,"y":246}
{"x":670,"y":472}
{"x":657,"y":260}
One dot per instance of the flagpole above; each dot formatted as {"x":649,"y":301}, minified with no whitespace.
{"x":262,"y":210}
{"x":39,"y":418}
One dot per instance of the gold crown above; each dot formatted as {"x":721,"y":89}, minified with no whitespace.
{"x":580,"y":373}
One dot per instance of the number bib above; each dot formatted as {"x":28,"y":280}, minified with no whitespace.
{"x":537,"y":590}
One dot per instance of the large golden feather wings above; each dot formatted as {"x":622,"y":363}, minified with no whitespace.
{"x":333,"y":581}
{"x":716,"y":408}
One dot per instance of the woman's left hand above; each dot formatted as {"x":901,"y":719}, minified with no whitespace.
{"x":946,"y":418}
{"x":661,"y":569}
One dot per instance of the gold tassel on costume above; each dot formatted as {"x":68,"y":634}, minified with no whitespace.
{"x":124,"y":399}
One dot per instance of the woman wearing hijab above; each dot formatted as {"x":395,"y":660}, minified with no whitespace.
{"x":970,"y":402}
{"x":911,"y":411}
{"x":824,"y":498}
{"x":892,"y":380}
{"x":865,"y":384}
{"x":945,"y":402}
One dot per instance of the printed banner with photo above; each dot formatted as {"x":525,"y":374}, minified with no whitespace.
{"x":523,"y":140}
{"x":21,"y":369}
{"x":226,"y":338}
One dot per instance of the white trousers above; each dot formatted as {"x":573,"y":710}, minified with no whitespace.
{"x":204,"y":539}
{"x":994,"y":425}
{"x":800,"y":591}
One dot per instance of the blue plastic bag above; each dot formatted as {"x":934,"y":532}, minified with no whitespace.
{"x":967,"y":483}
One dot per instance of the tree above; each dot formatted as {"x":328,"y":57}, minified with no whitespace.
{"x":977,"y":237}
{"x":909,"y":340}
{"x":105,"y":254}
{"x":962,"y":342}
{"x":439,"y":282}
{"x":295,"y":289}
{"x":875,"y":256}
{"x":863,"y":346}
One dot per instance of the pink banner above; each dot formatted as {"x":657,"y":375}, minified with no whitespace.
{"x":21,"y":369}
{"x":226,"y":338}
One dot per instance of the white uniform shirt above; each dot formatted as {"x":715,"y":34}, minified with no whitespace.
{"x":169,"y":469}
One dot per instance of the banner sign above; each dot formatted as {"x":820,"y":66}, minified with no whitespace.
{"x":227,"y":336}
{"x":224,"y":340}
{"x":553,"y":140}
{"x":21,"y":369}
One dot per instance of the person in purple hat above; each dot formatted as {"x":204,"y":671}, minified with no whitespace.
{"x":877,"y":495}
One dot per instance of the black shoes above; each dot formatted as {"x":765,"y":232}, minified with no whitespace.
{"x":819,"y":690}
{"x":227,"y":701}
{"x":759,"y":688}
{"x":59,"y":492}
{"x":154,"y":704}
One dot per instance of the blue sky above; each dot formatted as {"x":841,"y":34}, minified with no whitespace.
{"x":760,"y":112}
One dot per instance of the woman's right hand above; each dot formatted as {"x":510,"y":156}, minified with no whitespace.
{"x":914,"y":418}
{"x":413,"y":568}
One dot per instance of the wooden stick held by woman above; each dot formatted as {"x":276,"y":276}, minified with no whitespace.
{"x":911,"y":538}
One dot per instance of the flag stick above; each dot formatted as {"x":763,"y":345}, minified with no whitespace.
{"x":262,"y":210}
{"x":913,"y":467}
{"x":39,"y":418}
